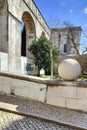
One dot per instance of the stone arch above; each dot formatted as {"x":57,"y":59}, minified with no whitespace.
{"x":28,"y":33}
{"x":43,"y":34}
{"x":3,"y":26}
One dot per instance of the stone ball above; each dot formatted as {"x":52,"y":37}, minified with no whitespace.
{"x":69,"y":69}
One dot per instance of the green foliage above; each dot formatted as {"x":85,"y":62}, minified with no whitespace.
{"x":55,"y":54}
{"x":84,"y":76}
{"x":41,"y":51}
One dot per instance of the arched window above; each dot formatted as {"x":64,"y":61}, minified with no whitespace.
{"x":65,"y":48}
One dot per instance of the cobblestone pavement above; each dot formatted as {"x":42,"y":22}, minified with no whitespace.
{"x":9,"y":121}
{"x":38,"y":109}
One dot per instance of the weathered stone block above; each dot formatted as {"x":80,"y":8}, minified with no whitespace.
{"x":82,"y":93}
{"x":76,"y":104}
{"x":56,"y":101}
{"x":62,"y":92}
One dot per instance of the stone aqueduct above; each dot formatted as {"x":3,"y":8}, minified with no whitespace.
{"x":15,"y":15}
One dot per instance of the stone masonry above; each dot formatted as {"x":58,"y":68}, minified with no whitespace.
{"x":12,"y":13}
{"x":64,"y":39}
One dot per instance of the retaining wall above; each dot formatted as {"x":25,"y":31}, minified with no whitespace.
{"x":72,"y":94}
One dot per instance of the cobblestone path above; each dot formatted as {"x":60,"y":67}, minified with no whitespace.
{"x":10,"y":121}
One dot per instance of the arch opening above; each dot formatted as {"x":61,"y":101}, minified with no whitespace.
{"x":43,"y":34}
{"x":28,"y":33}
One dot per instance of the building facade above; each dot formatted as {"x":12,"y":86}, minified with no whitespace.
{"x":66,"y":39}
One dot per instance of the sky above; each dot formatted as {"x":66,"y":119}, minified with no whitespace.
{"x":56,"y":12}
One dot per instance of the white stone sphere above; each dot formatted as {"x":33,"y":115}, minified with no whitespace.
{"x":69,"y":69}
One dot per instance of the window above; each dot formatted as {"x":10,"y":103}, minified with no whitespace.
{"x":59,"y":38}
{"x":65,"y":48}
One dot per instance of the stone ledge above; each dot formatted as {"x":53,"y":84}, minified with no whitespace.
{"x":50,"y":82}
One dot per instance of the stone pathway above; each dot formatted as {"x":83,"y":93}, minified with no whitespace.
{"x":9,"y":121}
{"x":43,"y":112}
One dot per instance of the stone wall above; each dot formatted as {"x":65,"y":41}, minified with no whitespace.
{"x":10,"y":29}
{"x":3,"y":27}
{"x":3,"y":61}
{"x":14,"y":44}
{"x":3,"y":34}
{"x":72,"y":95}
{"x":23,"y":86}
{"x":27,"y":66}
{"x":18,"y":7}
{"x":68,"y":96}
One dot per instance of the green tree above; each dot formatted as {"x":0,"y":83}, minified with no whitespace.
{"x":41,"y":51}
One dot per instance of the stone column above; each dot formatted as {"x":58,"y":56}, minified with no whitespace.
{"x":14,"y":43}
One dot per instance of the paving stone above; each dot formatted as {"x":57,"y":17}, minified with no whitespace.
{"x":28,"y":106}
{"x":18,"y":122}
